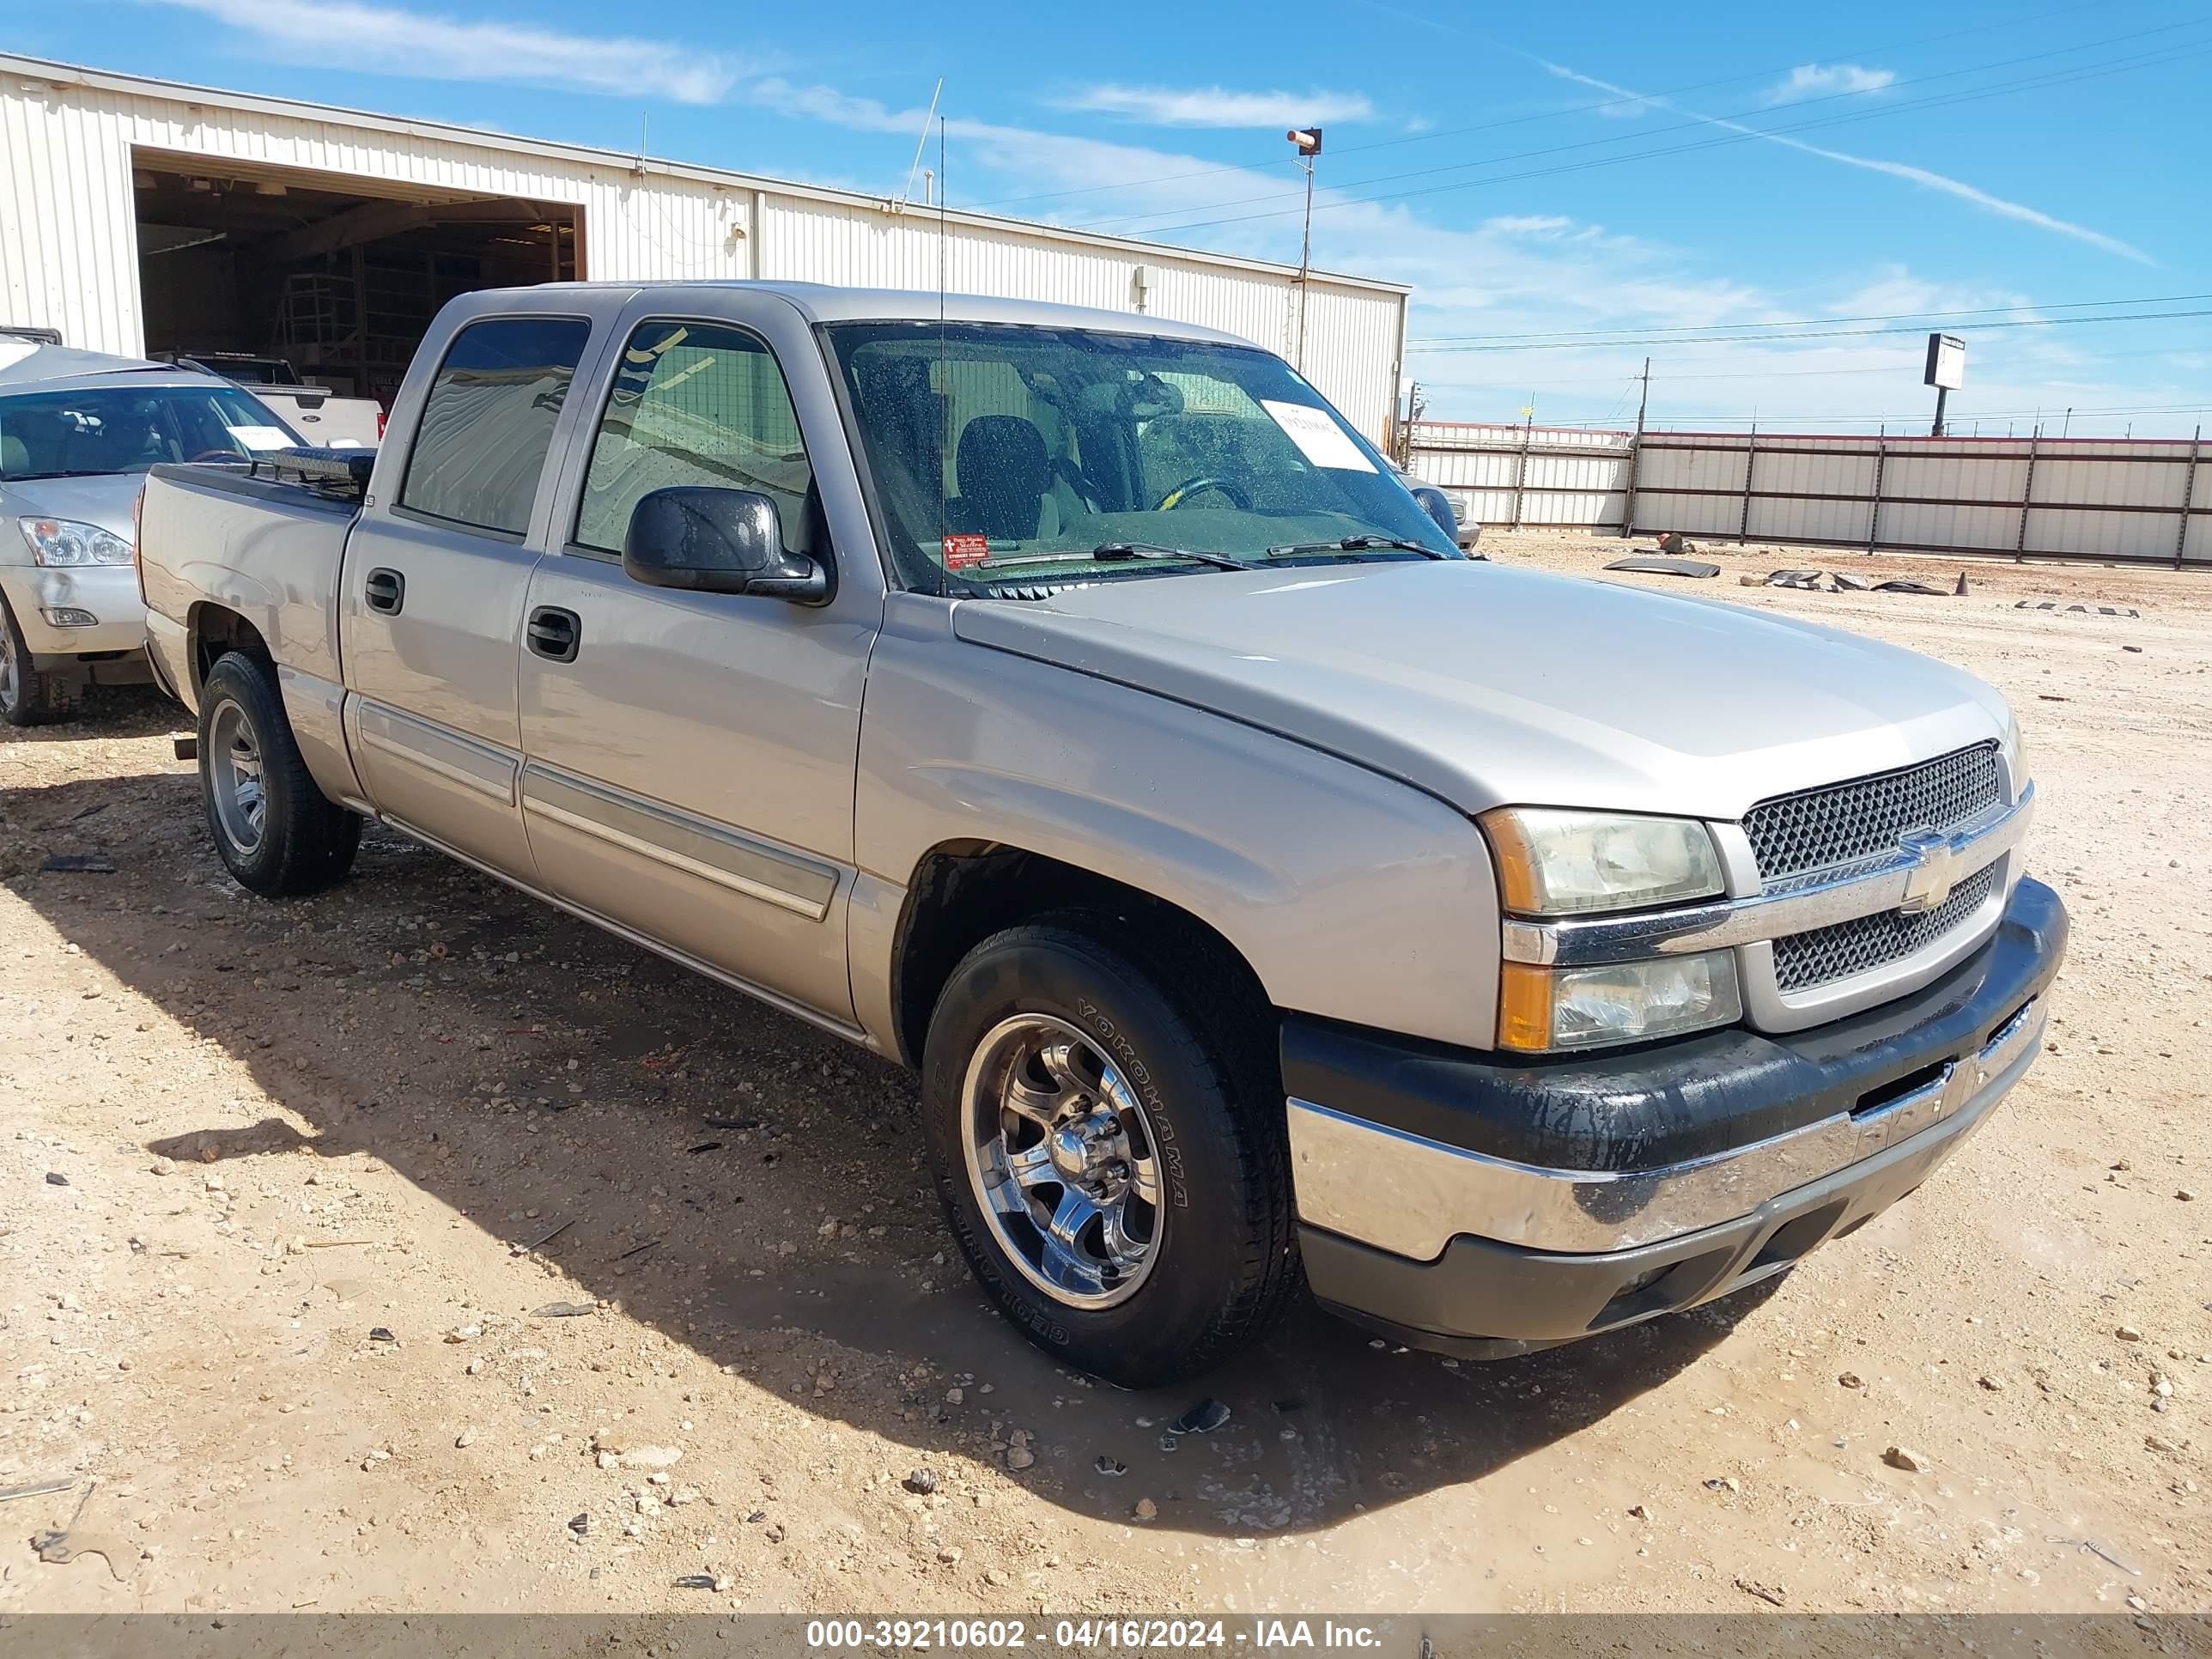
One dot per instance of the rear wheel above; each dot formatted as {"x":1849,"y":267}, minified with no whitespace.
{"x":1113,"y":1162}
{"x":277,"y":833}
{"x":27,"y":697}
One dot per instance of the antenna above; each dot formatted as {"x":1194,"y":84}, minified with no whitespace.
{"x":907,"y":192}
{"x":944,"y":349}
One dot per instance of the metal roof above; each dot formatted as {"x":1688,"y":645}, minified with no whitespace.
{"x":67,"y":75}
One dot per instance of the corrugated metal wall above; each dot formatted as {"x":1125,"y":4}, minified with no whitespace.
{"x":69,"y":252}
{"x":2063,"y":498}
{"x":1509,"y":475}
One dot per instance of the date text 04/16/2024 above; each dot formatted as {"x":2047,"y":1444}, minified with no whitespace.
{"x":1096,"y":1634}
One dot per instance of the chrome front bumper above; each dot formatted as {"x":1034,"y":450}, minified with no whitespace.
{"x":1487,"y":1208}
{"x":1410,"y":1195}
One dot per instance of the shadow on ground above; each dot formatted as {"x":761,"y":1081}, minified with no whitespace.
{"x":744,"y":1184}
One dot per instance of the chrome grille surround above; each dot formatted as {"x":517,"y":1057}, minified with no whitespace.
{"x":1824,"y":955}
{"x":1762,"y":915}
{"x":1843,"y":824}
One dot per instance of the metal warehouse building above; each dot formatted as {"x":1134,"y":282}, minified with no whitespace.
{"x":139,"y":215}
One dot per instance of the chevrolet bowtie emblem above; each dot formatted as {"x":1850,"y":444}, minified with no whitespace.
{"x":1933,"y":871}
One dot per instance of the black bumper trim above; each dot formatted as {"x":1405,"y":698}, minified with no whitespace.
{"x":1648,"y":1108}
{"x":1484,"y":1300}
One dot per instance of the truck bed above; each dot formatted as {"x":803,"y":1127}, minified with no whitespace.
{"x":266,"y":549}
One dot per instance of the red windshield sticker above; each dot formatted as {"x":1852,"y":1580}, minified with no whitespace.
{"x":961,"y":552}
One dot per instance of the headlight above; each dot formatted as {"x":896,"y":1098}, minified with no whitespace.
{"x":1544,"y":1009}
{"x":1553,"y":862}
{"x":65,"y":542}
{"x":2014,"y":750}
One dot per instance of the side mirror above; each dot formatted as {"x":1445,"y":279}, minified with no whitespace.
{"x":1437,"y":506}
{"x":717,"y":541}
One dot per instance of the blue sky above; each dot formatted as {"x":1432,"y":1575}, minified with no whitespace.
{"x":1621,"y":178}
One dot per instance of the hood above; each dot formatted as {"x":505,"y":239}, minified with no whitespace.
{"x":25,"y":360}
{"x":105,"y":501}
{"x":1486,"y":685}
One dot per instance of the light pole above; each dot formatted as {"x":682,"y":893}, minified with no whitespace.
{"x":1306,"y":141}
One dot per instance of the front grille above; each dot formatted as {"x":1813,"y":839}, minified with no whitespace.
{"x":1826,"y":954}
{"x":1843,"y":823}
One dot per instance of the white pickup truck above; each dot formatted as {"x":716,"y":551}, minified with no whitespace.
{"x":321,"y":415}
{"x":1073,"y":706}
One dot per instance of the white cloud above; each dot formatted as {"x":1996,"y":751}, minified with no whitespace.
{"x":1533,"y":272}
{"x":1923,"y":177}
{"x":1216,"y":107}
{"x":1822,"y":80}
{"x":348,"y":34}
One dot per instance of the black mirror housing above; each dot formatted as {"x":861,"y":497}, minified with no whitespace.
{"x":709,"y":540}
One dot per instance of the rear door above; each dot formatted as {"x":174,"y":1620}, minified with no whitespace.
{"x":690,"y":756}
{"x":435,"y":577}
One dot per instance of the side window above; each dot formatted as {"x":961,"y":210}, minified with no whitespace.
{"x":489,"y":420}
{"x":700,"y":405}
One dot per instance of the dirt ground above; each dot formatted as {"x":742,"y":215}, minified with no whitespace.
{"x":292,"y":1192}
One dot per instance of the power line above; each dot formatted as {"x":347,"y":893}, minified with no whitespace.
{"x":1544,"y":115}
{"x":1796,"y":322}
{"x":1684,"y":370}
{"x":1681,"y":126}
{"x":1825,"y":333}
{"x":2056,"y":78}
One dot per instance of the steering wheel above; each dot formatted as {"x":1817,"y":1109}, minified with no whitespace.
{"x":1190,"y":486}
{"x":214,"y":455}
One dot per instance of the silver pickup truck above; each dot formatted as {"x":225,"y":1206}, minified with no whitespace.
{"x":1072,"y":706}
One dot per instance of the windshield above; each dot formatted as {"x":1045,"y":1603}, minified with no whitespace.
{"x":92,"y":430}
{"x":993,"y":448}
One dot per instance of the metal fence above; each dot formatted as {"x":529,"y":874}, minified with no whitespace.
{"x":2144,"y":499}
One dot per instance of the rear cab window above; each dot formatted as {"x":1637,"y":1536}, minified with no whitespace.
{"x":488,"y":421}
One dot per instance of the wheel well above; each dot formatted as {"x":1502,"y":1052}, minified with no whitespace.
{"x":965,"y":892}
{"x":214,"y":630}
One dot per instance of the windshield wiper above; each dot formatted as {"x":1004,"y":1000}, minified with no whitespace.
{"x":71,"y":472}
{"x":1357,"y":544}
{"x":1109,"y":552}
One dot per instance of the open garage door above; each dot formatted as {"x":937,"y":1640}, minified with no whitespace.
{"x":338,"y":276}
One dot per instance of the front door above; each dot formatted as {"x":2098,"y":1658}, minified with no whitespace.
{"x":690,"y":756}
{"x":434,"y":585}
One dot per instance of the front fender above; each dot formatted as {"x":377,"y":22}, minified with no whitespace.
{"x":1352,"y":896}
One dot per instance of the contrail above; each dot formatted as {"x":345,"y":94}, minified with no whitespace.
{"x":1920,"y":176}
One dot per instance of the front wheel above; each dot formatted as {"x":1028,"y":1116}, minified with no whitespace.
{"x":1116,"y":1168}
{"x":278,"y":834}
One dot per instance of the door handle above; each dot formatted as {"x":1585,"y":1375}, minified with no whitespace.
{"x":386,"y":590}
{"x":554,"y":633}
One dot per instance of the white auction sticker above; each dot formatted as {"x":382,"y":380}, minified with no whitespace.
{"x":1319,"y":439}
{"x":261,"y":437}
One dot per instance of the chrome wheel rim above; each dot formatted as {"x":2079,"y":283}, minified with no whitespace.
{"x":234,"y":775}
{"x":10,"y":688}
{"x":1063,"y":1162}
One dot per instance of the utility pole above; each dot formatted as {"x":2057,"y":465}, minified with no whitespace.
{"x":1416,"y":406}
{"x":1306,"y":141}
{"x":1635,"y":455}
